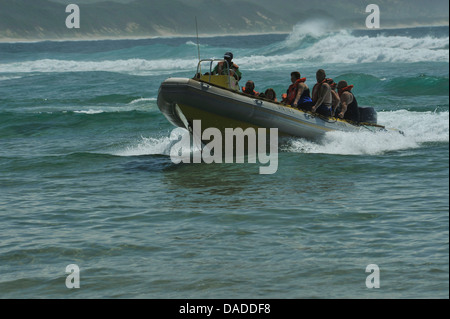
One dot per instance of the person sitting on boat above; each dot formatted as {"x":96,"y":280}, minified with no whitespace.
{"x":335,"y":96}
{"x":271,"y":95}
{"x":322,"y":97}
{"x":228,"y":67}
{"x":249,"y":88}
{"x":298,"y":94}
{"x":349,"y":105}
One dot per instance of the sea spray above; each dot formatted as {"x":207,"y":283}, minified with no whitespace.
{"x":418,"y":128}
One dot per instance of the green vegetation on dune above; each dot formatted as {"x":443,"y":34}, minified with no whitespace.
{"x":45,"y":19}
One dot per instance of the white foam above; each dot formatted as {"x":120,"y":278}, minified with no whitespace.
{"x":90,"y":111}
{"x":7,"y":78}
{"x":423,"y":127}
{"x":140,"y":100}
{"x":152,"y":145}
{"x":146,"y":146}
{"x":418,"y":128}
{"x":157,"y":145}
{"x":316,"y":28}
{"x":130,"y":66}
{"x":329,"y":47}
{"x":132,"y":106}
{"x":344,"y":47}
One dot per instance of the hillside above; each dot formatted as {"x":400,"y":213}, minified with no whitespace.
{"x":45,"y":19}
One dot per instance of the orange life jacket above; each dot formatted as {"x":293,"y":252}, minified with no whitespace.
{"x":346,"y":89}
{"x":293,"y":89}
{"x":253,"y":93}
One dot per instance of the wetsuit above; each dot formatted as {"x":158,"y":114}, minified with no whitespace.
{"x":352,"y":112}
{"x":305,"y":102}
{"x":324,"y":110}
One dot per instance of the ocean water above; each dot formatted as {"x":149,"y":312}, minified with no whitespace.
{"x":86,"y":177}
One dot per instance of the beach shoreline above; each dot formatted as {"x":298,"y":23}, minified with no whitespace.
{"x":174,"y":35}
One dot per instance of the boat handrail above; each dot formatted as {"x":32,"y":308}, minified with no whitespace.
{"x":211,"y":61}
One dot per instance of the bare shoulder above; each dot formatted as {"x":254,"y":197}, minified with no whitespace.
{"x":302,"y":85}
{"x":326,"y":86}
{"x":347,"y":96}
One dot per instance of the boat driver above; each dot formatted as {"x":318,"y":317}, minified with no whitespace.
{"x":222,"y":67}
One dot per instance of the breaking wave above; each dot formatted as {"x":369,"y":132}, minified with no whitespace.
{"x":129,"y":66}
{"x":312,"y":41}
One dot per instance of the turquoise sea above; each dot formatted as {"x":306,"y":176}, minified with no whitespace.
{"x":86,"y":177}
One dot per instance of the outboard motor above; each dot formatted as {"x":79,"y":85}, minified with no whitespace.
{"x":367,"y":114}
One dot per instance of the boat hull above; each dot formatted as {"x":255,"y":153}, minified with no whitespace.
{"x":183,"y":100}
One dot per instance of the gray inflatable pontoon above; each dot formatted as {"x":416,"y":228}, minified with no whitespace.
{"x":217,"y":102}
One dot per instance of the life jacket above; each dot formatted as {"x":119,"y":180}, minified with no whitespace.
{"x":352,"y":112}
{"x":251,"y":93}
{"x":222,"y":68}
{"x":346,"y":89}
{"x":293,"y":89}
{"x":332,"y":84}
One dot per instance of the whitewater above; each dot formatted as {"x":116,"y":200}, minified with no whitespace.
{"x":309,"y":42}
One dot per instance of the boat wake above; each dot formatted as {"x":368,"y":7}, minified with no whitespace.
{"x":418,"y":128}
{"x":147,"y":146}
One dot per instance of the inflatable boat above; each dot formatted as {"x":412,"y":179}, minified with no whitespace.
{"x":216,"y":100}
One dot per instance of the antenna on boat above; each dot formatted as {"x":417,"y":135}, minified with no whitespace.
{"x":198,"y":44}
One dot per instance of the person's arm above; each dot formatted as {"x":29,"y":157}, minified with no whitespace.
{"x":346,"y":99}
{"x":238,"y":73}
{"x":215,"y":70}
{"x":336,"y":100}
{"x":323,"y":91}
{"x":301,"y":88}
